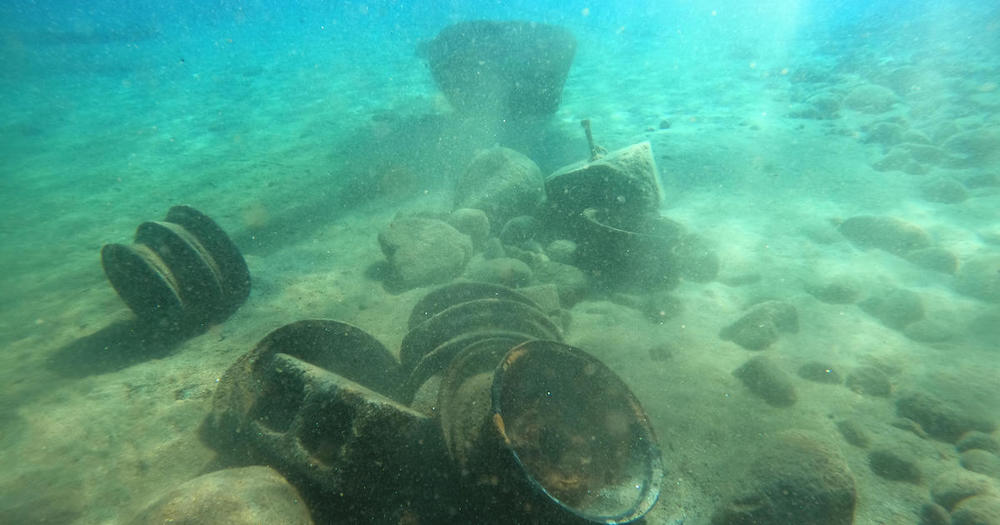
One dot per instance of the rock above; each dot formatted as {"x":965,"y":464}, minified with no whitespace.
{"x":893,"y":235}
{"x":930,"y":331}
{"x":982,"y":179}
{"x":977,"y":510}
{"x":235,"y":496}
{"x":933,"y":258}
{"x":661,"y":352}
{"x":759,"y":328}
{"x":571,"y":281}
{"x":870,"y":98}
{"x":980,"y":278}
{"x":885,"y":133}
{"x":827,"y":105}
{"x":938,"y":419}
{"x":934,"y":514}
{"x":952,"y":486}
{"x":924,"y":154}
{"x":471,"y":222}
{"x":424,"y":251}
{"x":896,"y":160}
{"x":799,"y":479}
{"x":909,"y":425}
{"x":982,"y":462}
{"x":519,"y":230}
{"x":854,"y":433}
{"x":836,"y":290}
{"x":762,"y":377}
{"x":895,"y":309}
{"x":501,"y":69}
{"x":978,"y":440}
{"x":561,"y":250}
{"x":501,"y":270}
{"x":870,"y":381}
{"x":889,"y":465}
{"x":973,"y":148}
{"x":945,"y":190}
{"x":501,"y":182}
{"x":820,"y":373}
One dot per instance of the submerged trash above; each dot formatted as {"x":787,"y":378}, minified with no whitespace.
{"x":501,"y":68}
{"x":181,"y":273}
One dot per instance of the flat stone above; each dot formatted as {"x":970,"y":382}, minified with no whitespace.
{"x":890,"y":465}
{"x":938,"y":419}
{"x":760,"y":327}
{"x":798,"y":479}
{"x":978,"y":440}
{"x":980,"y":278}
{"x":238,"y":496}
{"x":854,"y":433}
{"x":424,"y":251}
{"x":933,"y":258}
{"x":891,"y":234}
{"x":896,"y":309}
{"x":952,"y":486}
{"x":762,"y":377}
{"x":870,"y":98}
{"x":870,"y":381}
{"x":982,"y":462}
{"x":977,"y":510}
{"x":820,"y":372}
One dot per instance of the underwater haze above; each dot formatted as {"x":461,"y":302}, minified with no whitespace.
{"x":811,"y":325}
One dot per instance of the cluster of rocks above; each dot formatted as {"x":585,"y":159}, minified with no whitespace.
{"x":589,"y":226}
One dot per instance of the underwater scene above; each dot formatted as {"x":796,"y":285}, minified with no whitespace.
{"x":505,"y":262}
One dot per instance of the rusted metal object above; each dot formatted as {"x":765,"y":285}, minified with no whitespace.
{"x":559,"y":430}
{"x":180,"y":273}
{"x":309,"y":400}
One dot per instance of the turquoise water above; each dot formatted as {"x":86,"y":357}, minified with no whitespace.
{"x":304,"y":130}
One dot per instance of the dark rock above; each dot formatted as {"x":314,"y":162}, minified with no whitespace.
{"x":238,"y":496}
{"x":895,"y":309}
{"x":933,"y":258}
{"x":934,"y":514}
{"x":977,"y":510}
{"x":762,"y":377}
{"x":885,"y":133}
{"x":471,"y":222}
{"x":424,"y":251}
{"x":977,"y":147}
{"x":982,"y":462}
{"x":801,"y":480}
{"x":501,"y":182}
{"x":760,"y":327}
{"x":889,"y":465}
{"x":870,"y":381}
{"x":820,"y":373}
{"x":854,"y":433}
{"x":502,"y":270}
{"x":893,"y":235}
{"x":941,"y":421}
{"x":571,"y":281}
{"x":953,"y":486}
{"x":664,"y":124}
{"x":930,"y":331}
{"x":662,"y":352}
{"x":826,"y":105}
{"x":870,"y":98}
{"x":945,"y":190}
{"x":519,"y":230}
{"x":978,"y":440}
{"x":982,"y":179}
{"x":493,"y":248}
{"x":980,"y":278}
{"x":911,"y":426}
{"x":561,"y":250}
{"x":837,"y":291}
{"x":501,"y":69}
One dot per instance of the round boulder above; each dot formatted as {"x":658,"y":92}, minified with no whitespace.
{"x":237,"y":496}
{"x":501,"y":182}
{"x":424,"y":251}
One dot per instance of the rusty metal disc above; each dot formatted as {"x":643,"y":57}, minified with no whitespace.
{"x":143,"y":281}
{"x":451,"y":294}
